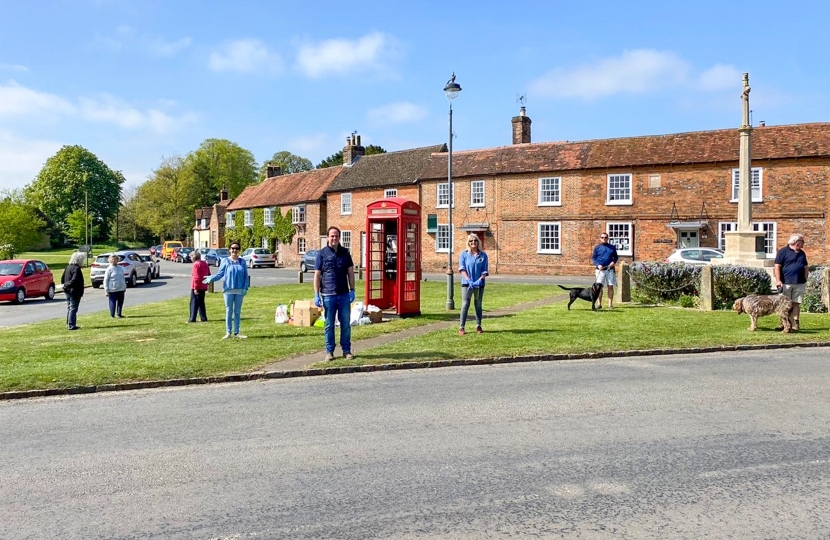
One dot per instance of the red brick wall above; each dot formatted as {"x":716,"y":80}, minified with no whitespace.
{"x":315,"y":225}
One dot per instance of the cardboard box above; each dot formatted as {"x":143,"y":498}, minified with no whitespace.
{"x":375,"y":316}
{"x":304,"y":313}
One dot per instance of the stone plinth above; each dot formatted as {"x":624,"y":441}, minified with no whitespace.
{"x":746,"y":248}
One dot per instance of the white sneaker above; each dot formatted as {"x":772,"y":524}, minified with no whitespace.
{"x":226,"y":336}
{"x":240,"y":336}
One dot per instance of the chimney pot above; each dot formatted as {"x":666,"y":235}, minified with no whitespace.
{"x":762,"y":123}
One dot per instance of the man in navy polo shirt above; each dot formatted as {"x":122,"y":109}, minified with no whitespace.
{"x":334,"y":291}
{"x":605,"y":259}
{"x":791,"y":274}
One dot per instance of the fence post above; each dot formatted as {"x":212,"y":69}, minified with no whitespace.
{"x":300,"y":276}
{"x":622,"y":293}
{"x":707,"y":290}
{"x":825,"y":288}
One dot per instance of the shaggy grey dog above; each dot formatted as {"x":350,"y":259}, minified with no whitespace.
{"x":756,"y":306}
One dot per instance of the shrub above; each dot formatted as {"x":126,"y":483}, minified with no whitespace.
{"x":687,"y":301}
{"x":812,"y":296}
{"x":6,"y":252}
{"x":732,"y":282}
{"x":661,"y":282}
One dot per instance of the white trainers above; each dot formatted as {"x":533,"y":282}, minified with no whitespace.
{"x":240,"y":336}
{"x":226,"y":336}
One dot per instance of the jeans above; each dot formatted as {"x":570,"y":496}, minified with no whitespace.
{"x":197,"y":305}
{"x":233,"y":312}
{"x":338,"y":304}
{"x":116,"y":299}
{"x":72,"y":303}
{"x":466,"y":294}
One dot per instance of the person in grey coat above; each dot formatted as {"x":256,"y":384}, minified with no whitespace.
{"x":115,"y":286}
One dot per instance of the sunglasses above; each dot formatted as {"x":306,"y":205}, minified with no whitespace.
{"x":603,"y":238}
{"x":234,"y":249}
{"x":473,"y":242}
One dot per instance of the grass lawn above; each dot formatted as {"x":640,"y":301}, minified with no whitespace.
{"x":154,"y":342}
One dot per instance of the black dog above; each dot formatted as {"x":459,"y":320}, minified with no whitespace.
{"x":586,"y":293}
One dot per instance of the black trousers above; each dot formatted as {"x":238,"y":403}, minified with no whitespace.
{"x":116,"y":303}
{"x":197,"y":304}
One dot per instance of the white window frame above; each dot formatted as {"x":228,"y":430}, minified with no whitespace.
{"x":204,"y":223}
{"x":264,"y":242}
{"x":346,"y":239}
{"x":345,"y":204}
{"x":301,"y":246}
{"x":546,"y":248}
{"x":268,"y":217}
{"x":444,"y":187}
{"x":442,"y":236}
{"x":613,"y":229}
{"x":298,"y":215}
{"x":757,"y":175}
{"x":477,"y":194}
{"x":249,"y":218}
{"x":389,"y":193}
{"x":557,"y":190}
{"x":617,"y":177}
{"x":229,"y":220}
{"x":770,"y":229}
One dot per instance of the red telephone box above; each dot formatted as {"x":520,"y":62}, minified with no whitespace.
{"x":393,"y":255}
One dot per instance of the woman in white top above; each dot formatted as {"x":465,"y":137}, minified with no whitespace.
{"x":114,"y":286}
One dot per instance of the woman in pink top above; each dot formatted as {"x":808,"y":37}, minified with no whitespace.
{"x":197,"y":288}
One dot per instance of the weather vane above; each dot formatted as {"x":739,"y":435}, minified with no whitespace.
{"x":521,"y":99}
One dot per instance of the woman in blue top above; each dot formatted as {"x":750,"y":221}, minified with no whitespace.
{"x":234,"y":274}
{"x":473,"y":268}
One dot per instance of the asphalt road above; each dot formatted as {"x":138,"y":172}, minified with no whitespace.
{"x":175,"y":283}
{"x":713,"y":446}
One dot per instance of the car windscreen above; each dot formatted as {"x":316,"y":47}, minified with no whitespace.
{"x":10,"y":269}
{"x":261,"y":251}
{"x":105,"y":259}
{"x":223,"y":252}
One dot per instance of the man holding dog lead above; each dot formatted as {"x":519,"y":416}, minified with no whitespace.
{"x":605,"y":261}
{"x":791,"y":274}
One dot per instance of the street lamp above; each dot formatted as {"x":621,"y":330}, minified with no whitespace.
{"x":452,"y":89}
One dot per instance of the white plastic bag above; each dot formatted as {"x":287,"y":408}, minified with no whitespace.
{"x":281,"y":314}
{"x":356,"y":314}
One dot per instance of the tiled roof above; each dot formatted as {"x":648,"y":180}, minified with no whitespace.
{"x":769,"y":142}
{"x":301,"y":187}
{"x":389,"y":169}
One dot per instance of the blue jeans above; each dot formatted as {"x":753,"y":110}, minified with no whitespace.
{"x":338,"y":304}
{"x":233,"y":312}
{"x":72,"y":310}
{"x":477,"y":295}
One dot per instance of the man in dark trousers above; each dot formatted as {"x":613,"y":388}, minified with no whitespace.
{"x":334,"y":291}
{"x":605,"y":261}
{"x":791,"y":275}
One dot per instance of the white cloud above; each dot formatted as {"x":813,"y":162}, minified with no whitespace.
{"x":245,"y":56}
{"x":315,"y":144}
{"x":19,"y":100}
{"x":21,"y":159}
{"x":372,"y":52}
{"x":635,"y":72}
{"x":161,"y":47}
{"x":110,"y":110}
{"x":397,"y":113}
{"x":720,"y":77}
{"x":14,"y":67}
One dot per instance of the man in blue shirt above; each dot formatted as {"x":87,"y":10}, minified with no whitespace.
{"x":791,"y":275}
{"x":334,"y":291}
{"x":604,"y":258}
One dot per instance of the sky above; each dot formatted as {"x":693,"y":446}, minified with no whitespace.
{"x":136,"y":81}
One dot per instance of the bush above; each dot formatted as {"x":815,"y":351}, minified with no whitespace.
{"x":812,"y":296}
{"x":687,"y":301}
{"x":6,"y":252}
{"x":732,"y":282}
{"x":660,"y":282}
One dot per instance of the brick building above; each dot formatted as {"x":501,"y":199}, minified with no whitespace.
{"x":209,"y":229}
{"x":539,"y":207}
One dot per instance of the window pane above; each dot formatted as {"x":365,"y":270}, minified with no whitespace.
{"x":619,"y":187}
{"x":549,"y":237}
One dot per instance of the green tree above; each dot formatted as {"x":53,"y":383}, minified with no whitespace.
{"x":215,"y":164}
{"x":20,"y":227}
{"x":65,"y":181}
{"x":287,"y":162}
{"x":76,"y":227}
{"x":128,"y":226}
{"x":337,"y":158}
{"x":162,"y":203}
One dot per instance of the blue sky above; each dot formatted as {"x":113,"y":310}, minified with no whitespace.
{"x":134,"y":81}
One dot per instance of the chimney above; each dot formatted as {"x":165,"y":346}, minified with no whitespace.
{"x":762,"y":123}
{"x":521,"y":128}
{"x":223,"y":195}
{"x":273,"y":170}
{"x":352,"y":150}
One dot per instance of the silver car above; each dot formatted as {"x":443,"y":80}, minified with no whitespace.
{"x":698,"y":255}
{"x":259,"y":257}
{"x":129,"y":261}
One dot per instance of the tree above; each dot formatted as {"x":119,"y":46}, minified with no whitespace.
{"x":162,"y":203}
{"x":215,"y":164}
{"x":76,"y":227}
{"x":128,"y":226}
{"x":65,"y":181}
{"x":287,"y":162}
{"x":20,"y":227}
{"x":337,"y":158}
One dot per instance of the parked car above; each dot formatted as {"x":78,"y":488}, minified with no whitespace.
{"x":698,"y":255}
{"x":134,"y":268}
{"x":214,"y":256}
{"x":183,"y":254}
{"x":155,"y":265}
{"x":22,"y":278}
{"x":308,"y":260}
{"x":167,"y":249}
{"x":259,"y":257}
{"x":155,"y":251}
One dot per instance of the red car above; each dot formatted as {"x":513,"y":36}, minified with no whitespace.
{"x":21,"y":279}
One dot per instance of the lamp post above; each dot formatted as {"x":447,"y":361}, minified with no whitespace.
{"x":452,"y":89}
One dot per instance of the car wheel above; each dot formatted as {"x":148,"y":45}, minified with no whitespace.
{"x":20,"y":297}
{"x":96,"y":285}
{"x":148,"y":277}
{"x":250,"y":263}
{"x":50,"y":292}
{"x":303,"y":268}
{"x":133,"y":280}
{"x":158,"y":272}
